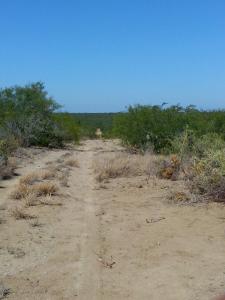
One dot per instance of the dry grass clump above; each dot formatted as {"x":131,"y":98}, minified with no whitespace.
{"x":34,"y":177}
{"x":30,"y":192}
{"x":45,"y":189}
{"x":30,"y":178}
{"x":47,"y":174}
{"x":19,"y":213}
{"x":22,"y":191}
{"x":72,"y":163}
{"x":124,"y":165}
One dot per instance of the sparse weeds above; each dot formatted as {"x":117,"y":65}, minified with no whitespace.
{"x":31,"y":200}
{"x":124,"y":165}
{"x":30,"y":179}
{"x":35,"y":223}
{"x":179,"y":197}
{"x":48,"y":201}
{"x":47,"y":174}
{"x":72,"y":163}
{"x":19,"y":214}
{"x":21,"y":191}
{"x":4,"y":291}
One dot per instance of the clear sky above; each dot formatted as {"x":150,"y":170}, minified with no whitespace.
{"x":102,"y":55}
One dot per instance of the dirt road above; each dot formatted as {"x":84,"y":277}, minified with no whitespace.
{"x":112,"y":241}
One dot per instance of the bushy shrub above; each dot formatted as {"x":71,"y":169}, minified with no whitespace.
{"x":203,"y":162}
{"x":67,"y":125}
{"x":208,"y":176}
{"x":29,"y":115}
{"x":26,"y":114}
{"x":190,"y":144}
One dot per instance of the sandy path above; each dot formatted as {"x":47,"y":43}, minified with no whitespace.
{"x":69,"y":256}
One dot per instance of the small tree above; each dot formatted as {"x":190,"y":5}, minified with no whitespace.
{"x":27,"y":114}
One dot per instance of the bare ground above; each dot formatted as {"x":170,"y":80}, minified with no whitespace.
{"x":116,"y":240}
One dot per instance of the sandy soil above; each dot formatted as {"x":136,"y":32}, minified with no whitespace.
{"x":117,"y":240}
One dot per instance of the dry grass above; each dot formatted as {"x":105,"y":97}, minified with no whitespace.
{"x":48,"y":201}
{"x":18,"y":213}
{"x":30,"y":192}
{"x":22,"y":191}
{"x":124,"y":165}
{"x":45,"y":189}
{"x":35,"y":223}
{"x":72,"y":163}
{"x":31,"y":200}
{"x":34,"y":177}
{"x":30,"y":178}
{"x":47,"y":174}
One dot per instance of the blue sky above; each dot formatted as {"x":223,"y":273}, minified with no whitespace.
{"x":97,"y":56}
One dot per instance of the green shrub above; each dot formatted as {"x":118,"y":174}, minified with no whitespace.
{"x":209,"y":175}
{"x":189,"y":144}
{"x":163,"y":128}
{"x":68,"y":127}
{"x":28,"y":114}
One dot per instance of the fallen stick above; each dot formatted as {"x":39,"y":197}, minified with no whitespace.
{"x":153,"y":220}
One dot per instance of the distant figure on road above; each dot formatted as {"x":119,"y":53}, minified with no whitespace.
{"x":98,"y":133}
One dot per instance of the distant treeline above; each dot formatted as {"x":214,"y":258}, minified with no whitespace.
{"x":157,"y":126}
{"x":89,"y":122}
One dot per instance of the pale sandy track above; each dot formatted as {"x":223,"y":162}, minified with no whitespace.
{"x":179,"y":258}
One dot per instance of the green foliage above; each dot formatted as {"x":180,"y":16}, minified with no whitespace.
{"x":209,"y":174}
{"x":190,"y":144}
{"x":89,"y":122}
{"x":166,"y":128}
{"x":28,"y":114}
{"x":68,"y":126}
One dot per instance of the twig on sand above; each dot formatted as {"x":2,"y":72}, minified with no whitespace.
{"x":154,"y":220}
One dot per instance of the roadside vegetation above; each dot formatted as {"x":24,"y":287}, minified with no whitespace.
{"x":192,"y":142}
{"x":170,"y":142}
{"x":30,"y":117}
